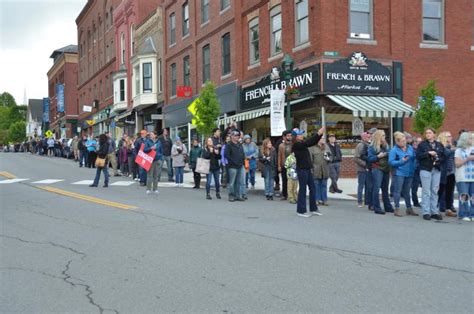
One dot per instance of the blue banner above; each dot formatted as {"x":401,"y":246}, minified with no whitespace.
{"x":45,"y":109}
{"x":60,"y":97}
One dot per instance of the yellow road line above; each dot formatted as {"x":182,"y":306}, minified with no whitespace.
{"x":85,"y":197}
{"x":7,"y":175}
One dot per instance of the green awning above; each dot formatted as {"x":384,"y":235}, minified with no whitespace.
{"x":374,"y":106}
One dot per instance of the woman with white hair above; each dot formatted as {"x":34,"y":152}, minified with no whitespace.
{"x":464,"y":161}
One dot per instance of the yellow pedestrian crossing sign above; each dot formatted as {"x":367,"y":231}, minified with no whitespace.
{"x":48,"y":134}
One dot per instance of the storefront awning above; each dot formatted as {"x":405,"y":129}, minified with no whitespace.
{"x":253,"y":114}
{"x":123,"y":115}
{"x":373,"y":106}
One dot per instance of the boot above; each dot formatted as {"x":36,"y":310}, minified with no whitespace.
{"x":208,"y":196}
{"x":218,"y":195}
{"x":397,"y":213}
{"x":411,"y":212}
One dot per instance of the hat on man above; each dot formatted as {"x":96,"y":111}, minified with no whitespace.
{"x":247,"y":137}
{"x":331,"y":135}
{"x":296,"y":132}
{"x":372,"y":130}
{"x":235,"y":132}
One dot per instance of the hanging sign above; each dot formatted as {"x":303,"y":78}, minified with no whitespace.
{"x":277,"y":112}
{"x":45,"y":109}
{"x":60,"y":97}
{"x":184,"y":91}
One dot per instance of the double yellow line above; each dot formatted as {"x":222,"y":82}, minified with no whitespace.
{"x":7,"y":175}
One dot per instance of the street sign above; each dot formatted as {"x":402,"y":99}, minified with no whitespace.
{"x":184,"y":91}
{"x":48,"y":134}
{"x":331,"y":53}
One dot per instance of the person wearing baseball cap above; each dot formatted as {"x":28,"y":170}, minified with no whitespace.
{"x":234,"y":153}
{"x":304,"y":165}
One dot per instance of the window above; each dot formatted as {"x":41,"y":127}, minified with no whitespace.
{"x":225,"y":4}
{"x":361,"y":19}
{"x":122,"y":90}
{"x":172,"y":29}
{"x":185,"y":19}
{"x":226,"y":54}
{"x":111,"y":16}
{"x":122,"y":48}
{"x":204,"y":11}
{"x":173,"y":79}
{"x":186,"y":72}
{"x":433,"y":17}
{"x":132,"y":40}
{"x":137,"y":80}
{"x":147,"y":78}
{"x":160,"y":77}
{"x":253,"y":41}
{"x":206,"y":63}
{"x":302,"y":25}
{"x":275,"y":29}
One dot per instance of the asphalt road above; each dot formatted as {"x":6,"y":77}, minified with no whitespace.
{"x":177,"y":252}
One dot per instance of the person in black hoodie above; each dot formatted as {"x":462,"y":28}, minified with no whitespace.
{"x":304,"y":164}
{"x":334,"y":164}
{"x":212,"y":153}
{"x":430,"y":155}
{"x":166,"y":144}
{"x":83,"y":153}
{"x":234,"y":153}
{"x":102,"y":153}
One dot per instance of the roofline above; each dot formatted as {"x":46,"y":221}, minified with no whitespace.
{"x":84,"y":11}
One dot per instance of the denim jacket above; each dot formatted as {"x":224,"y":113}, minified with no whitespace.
{"x":403,"y":168}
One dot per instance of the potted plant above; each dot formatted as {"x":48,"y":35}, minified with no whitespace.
{"x":292,"y":92}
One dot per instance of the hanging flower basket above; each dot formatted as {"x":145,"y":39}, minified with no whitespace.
{"x":292,"y":92}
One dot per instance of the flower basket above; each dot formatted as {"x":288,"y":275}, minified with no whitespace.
{"x":292,"y":92}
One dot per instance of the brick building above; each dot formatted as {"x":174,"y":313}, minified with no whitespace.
{"x":62,"y":92}
{"x":95,"y":34}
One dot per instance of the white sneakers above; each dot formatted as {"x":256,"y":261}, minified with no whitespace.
{"x":317,"y":213}
{"x":157,"y":192}
{"x":309,"y":214}
{"x":148,"y":191}
{"x":305,"y":215}
{"x":466,"y":219}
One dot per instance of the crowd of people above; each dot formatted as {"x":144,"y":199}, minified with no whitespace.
{"x":231,"y":161}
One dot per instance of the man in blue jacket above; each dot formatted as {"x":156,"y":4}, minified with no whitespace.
{"x":153,"y":144}
{"x":138,"y":143}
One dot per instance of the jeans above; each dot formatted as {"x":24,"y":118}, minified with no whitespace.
{"x":321,"y":189}
{"x":197,"y":178}
{"x":83,"y":158}
{"x":212,"y":174}
{"x":466,"y":201}
{"x":446,"y":193}
{"x":292,"y":190}
{"x":305,"y":179}
{"x":113,"y":160}
{"x":250,"y":176}
{"x":97,"y":175}
{"x":224,"y":175}
{"x":243,"y":188}
{"x":334,"y":170}
{"x":169,"y":167}
{"x":179,"y":173}
{"x":364,"y":182}
{"x":284,"y":183}
{"x":152,"y":175}
{"x":234,"y":184}
{"x":402,"y":186}
{"x":429,"y":190}
{"x":269,"y":178}
{"x":142,"y":174}
{"x":414,"y":188}
{"x":380,"y":181}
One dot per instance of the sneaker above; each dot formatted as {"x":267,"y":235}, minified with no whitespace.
{"x":305,"y":215}
{"x":466,"y":219}
{"x":148,"y":191}
{"x":253,"y":187}
{"x":292,"y":202}
{"x":231,"y":199}
{"x":359,"y":205}
{"x":316,"y":213}
{"x":427,"y":217}
{"x":176,"y":184}
{"x":437,"y":217}
{"x":157,"y":192}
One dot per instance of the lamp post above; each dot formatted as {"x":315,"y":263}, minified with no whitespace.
{"x":107,"y":122}
{"x":287,"y":66}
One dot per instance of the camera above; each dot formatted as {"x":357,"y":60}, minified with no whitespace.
{"x":435,"y":160}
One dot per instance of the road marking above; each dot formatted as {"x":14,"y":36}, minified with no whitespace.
{"x":84,"y":182}
{"x":86,"y":197}
{"x":123,"y":183}
{"x":9,"y":181}
{"x":48,"y":181}
{"x":7,"y":175}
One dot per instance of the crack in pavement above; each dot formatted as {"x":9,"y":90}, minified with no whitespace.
{"x":32,"y":271}
{"x":45,"y":243}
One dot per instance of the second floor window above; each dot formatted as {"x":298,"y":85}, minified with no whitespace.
{"x":185,"y":19}
{"x":254,"y":41}
{"x":206,"y":63}
{"x":226,"y":54}
{"x":173,"y":79}
{"x":122,"y":90}
{"x":275,"y":29}
{"x":172,"y":28}
{"x":361,"y":19}
{"x":204,"y":11}
{"x":225,"y":4}
{"x":433,"y":16}
{"x":302,"y":25}
{"x":160,"y":77}
{"x":122,"y":48}
{"x":186,"y":72}
{"x":147,"y":78}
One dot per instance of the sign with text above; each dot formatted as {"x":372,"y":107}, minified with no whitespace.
{"x":60,"y":97}
{"x":305,"y":80}
{"x":184,"y":91}
{"x":45,"y":109}
{"x":277,"y":112}
{"x":143,"y":159}
{"x":87,"y":108}
{"x":357,"y":74}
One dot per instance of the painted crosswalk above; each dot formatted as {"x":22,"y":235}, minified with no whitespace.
{"x":48,"y":181}
{"x":55,"y":181}
{"x":83,"y":182}
{"x":123,"y":183}
{"x":9,"y":181}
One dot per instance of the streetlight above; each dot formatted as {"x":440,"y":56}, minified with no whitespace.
{"x":287,"y":66}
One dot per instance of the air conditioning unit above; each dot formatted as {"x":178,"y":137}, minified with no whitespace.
{"x":360,"y":35}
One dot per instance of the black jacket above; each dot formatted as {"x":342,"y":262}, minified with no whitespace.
{"x":336,"y":154}
{"x":213,"y":157}
{"x":302,"y":155}
{"x":234,"y":153}
{"x":103,"y":150}
{"x":166,"y":144}
{"x":426,"y":161}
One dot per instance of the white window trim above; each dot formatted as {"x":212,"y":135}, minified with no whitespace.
{"x":253,"y":22}
{"x":272,"y":44}
{"x":356,"y":41}
{"x":253,"y":66}
{"x":428,"y":45}
{"x":171,"y":44}
{"x":276,"y":57}
{"x":371,"y":21}
{"x":472,"y":48}
{"x":443,"y":21}
{"x":160,"y":77}
{"x":297,"y":44}
{"x":225,"y":10}
{"x":223,"y":77}
{"x":302,"y":46}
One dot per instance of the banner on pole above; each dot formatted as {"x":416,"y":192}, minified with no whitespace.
{"x":60,"y":97}
{"x":45,"y":109}
{"x":277,"y":112}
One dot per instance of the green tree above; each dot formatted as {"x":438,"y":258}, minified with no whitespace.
{"x":17,"y":132}
{"x":3,"y":137}
{"x":429,"y":113}
{"x":7,"y":100}
{"x":208,"y":109}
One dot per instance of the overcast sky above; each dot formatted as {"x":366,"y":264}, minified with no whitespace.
{"x":30,"y":30}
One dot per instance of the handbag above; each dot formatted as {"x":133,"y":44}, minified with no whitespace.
{"x":203,"y":165}
{"x":100,"y":162}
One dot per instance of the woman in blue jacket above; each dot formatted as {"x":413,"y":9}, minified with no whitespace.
{"x":402,"y":159}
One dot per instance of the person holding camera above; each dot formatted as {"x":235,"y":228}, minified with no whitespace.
{"x":430,"y":154}
{"x":321,"y":156}
{"x":402,"y":159}
{"x":179,"y":153}
{"x":212,"y":153}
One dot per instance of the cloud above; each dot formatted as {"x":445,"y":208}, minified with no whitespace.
{"x":29,"y":32}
